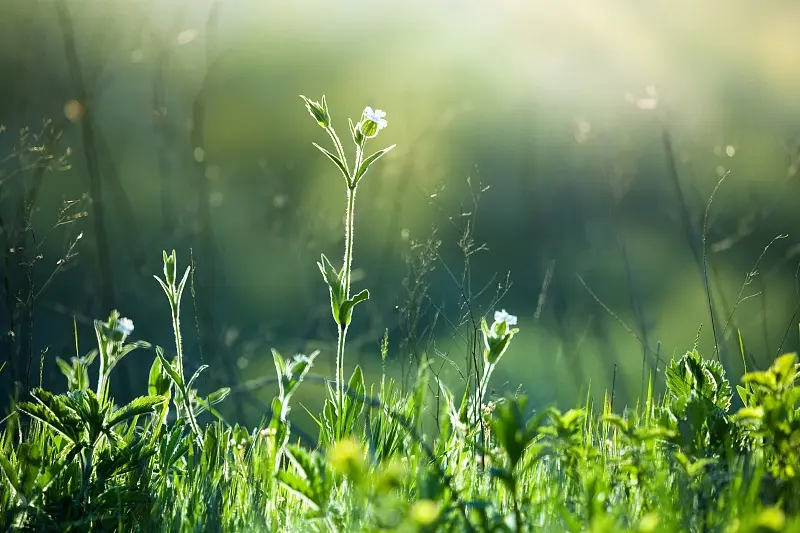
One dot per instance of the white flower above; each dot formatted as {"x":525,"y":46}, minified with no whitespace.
{"x":125,"y":326}
{"x":503,"y":316}
{"x":372,"y":122}
{"x":376,"y":116}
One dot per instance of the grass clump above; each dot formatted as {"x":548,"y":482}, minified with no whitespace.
{"x":687,"y":461}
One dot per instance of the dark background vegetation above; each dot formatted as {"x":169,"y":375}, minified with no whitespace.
{"x":591,"y":135}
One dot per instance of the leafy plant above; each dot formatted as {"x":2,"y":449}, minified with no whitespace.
{"x":771,"y":418}
{"x":187,"y":403}
{"x":698,"y":403}
{"x":339,"y":415}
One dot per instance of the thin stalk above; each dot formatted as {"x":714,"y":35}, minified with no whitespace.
{"x":340,"y":370}
{"x":348,"y":261}
{"x":348,"y":238}
{"x":339,"y":148}
{"x":185,"y":392}
{"x":176,"y":328}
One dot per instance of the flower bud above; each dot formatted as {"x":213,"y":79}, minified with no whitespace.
{"x":372,"y":122}
{"x":169,"y":268}
{"x":318,"y":110}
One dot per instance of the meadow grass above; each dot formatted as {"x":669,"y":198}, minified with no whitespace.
{"x":387,"y":457}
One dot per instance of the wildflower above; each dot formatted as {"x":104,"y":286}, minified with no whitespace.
{"x":372,"y":122}
{"x":125,"y":326}
{"x":505,"y":317}
{"x":497,"y":337}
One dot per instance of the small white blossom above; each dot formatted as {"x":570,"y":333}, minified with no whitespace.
{"x":376,"y":116}
{"x":503,"y":316}
{"x":125,"y":326}
{"x":372,"y":122}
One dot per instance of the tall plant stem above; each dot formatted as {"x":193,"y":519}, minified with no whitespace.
{"x":185,"y":392}
{"x":348,"y":261}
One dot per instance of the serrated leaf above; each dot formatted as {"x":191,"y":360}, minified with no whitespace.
{"x":137,"y":407}
{"x":46,"y":417}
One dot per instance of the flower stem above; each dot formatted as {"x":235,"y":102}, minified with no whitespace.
{"x":185,"y":392}
{"x":348,"y":261}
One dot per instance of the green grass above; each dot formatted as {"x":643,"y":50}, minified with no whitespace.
{"x":393,"y":459}
{"x":683,"y":463}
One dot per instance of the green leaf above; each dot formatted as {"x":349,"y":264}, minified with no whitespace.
{"x":354,"y":399}
{"x":764,"y":379}
{"x":67,"y":370}
{"x":334,"y":282}
{"x":168,"y":368}
{"x":125,"y":350}
{"x":30,"y":458}
{"x":358,"y":137}
{"x":164,"y":286}
{"x":159,"y":383}
{"x":10,"y":474}
{"x":336,"y":161}
{"x":645,"y":434}
{"x":218,"y":395}
{"x":181,"y":285}
{"x":785,"y":370}
{"x":196,"y":375}
{"x":346,"y":309}
{"x":368,"y":161}
{"x":744,"y":394}
{"x":750,"y":413}
{"x":298,"y":486}
{"x":54,"y":412}
{"x":617,"y":421}
{"x":138,"y":406}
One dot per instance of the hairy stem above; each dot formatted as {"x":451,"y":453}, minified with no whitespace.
{"x":348,"y":261}
{"x":185,"y":392}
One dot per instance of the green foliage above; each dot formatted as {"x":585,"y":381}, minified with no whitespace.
{"x":699,"y":397}
{"x":770,"y":419}
{"x":384,"y":461}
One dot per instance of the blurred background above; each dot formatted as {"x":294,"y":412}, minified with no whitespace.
{"x":554,"y":159}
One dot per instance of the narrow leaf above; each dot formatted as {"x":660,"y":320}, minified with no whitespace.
{"x":335,"y":159}
{"x":371,"y":159}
